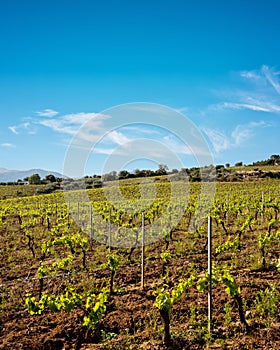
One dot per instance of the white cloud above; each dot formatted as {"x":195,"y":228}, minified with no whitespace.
{"x":70,"y":123}
{"x":176,"y":146}
{"x":141,"y":129}
{"x":271,"y":77}
{"x":47,"y":113}
{"x":241,"y":133}
{"x":150,"y":108}
{"x":78,"y":118}
{"x":250,"y":75}
{"x":219,"y":140}
{"x":58,"y":126}
{"x":233,"y":105}
{"x":24,"y":127}
{"x":269,"y":106}
{"x":118,"y":137}
{"x":267,"y":78}
{"x":262,"y":95}
{"x":8,"y":145}
{"x":183,"y":110}
{"x":13,"y":129}
{"x":101,"y":150}
{"x":244,"y":132}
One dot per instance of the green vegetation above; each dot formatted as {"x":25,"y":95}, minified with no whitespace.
{"x":259,"y":170}
{"x":164,"y":302}
{"x":59,"y":258}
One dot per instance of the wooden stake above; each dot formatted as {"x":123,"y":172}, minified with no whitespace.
{"x":91,"y":223}
{"x":110,"y":233}
{"x":210,"y":273}
{"x":143,"y":251}
{"x":262,"y":208}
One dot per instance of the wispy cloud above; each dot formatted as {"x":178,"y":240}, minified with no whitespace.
{"x":176,"y":146}
{"x":78,"y":118}
{"x":66,"y":125}
{"x":234,"y":105}
{"x":101,"y":150}
{"x":254,"y":75}
{"x":24,"y":127}
{"x":262,"y":95}
{"x":58,"y":126}
{"x":150,"y":108}
{"x":218,"y":139}
{"x":253,"y":104}
{"x":239,"y":135}
{"x":14,"y":129}
{"x":272,"y":77}
{"x":47,"y":113}
{"x":139,"y":130}
{"x":118,"y":137}
{"x":8,"y":145}
{"x":69,"y":123}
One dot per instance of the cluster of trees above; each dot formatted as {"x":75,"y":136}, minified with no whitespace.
{"x":273,"y":160}
{"x":35,"y":179}
{"x":195,"y":174}
{"x":51,"y":183}
{"x":86,"y":182}
{"x":12,"y":183}
{"x":124,"y":174}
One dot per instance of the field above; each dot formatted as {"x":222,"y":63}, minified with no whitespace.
{"x":71,"y":267}
{"x":17,"y":191}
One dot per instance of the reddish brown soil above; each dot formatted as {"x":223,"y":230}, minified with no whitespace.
{"x":130,"y":314}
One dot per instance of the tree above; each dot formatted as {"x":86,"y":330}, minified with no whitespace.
{"x":138,"y":173}
{"x":97,"y":183}
{"x":162,"y":169}
{"x":275,"y":158}
{"x":123,"y":174}
{"x":142,"y":173}
{"x":110,"y":176}
{"x":34,"y":179}
{"x":239,"y":164}
{"x":50,"y":178}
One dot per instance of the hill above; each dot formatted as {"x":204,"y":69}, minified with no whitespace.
{"x":7,"y":175}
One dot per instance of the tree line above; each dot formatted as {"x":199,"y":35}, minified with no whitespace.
{"x":194,"y":174}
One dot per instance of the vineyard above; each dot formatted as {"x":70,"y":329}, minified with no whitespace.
{"x":126,"y":267}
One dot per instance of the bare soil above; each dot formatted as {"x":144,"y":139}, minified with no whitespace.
{"x":131,"y":321}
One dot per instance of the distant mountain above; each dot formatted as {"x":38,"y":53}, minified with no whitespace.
{"x":7,"y":175}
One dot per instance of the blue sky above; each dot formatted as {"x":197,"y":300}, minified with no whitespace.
{"x":63,"y":62}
